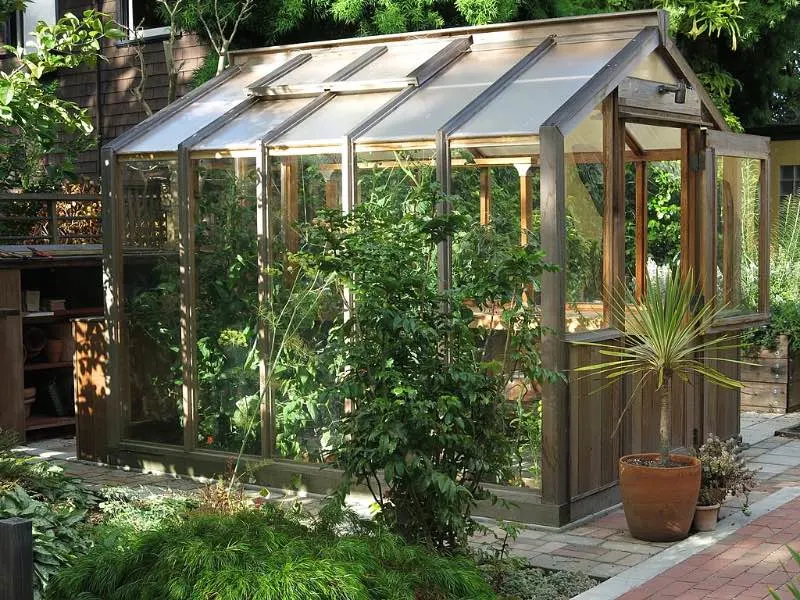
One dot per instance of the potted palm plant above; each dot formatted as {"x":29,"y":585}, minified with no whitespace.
{"x":664,"y":335}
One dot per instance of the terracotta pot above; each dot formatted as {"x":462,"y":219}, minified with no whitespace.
{"x":54,"y":350}
{"x":705,"y":517}
{"x":659,"y":502}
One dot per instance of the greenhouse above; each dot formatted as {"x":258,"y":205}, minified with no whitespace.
{"x":563,"y":135}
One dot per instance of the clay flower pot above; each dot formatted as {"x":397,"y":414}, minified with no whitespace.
{"x":659,"y":502}
{"x":705,"y":517}
{"x":55,"y":348}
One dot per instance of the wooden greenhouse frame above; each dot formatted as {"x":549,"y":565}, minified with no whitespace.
{"x":532,"y":84}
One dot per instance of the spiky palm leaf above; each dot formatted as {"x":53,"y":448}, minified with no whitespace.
{"x":662,"y":339}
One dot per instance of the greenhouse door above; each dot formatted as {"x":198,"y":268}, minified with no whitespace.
{"x":733,"y":253}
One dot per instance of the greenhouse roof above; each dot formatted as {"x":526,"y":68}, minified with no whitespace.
{"x":493,"y":85}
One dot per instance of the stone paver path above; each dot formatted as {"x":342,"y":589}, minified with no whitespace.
{"x":744,"y":565}
{"x":601,"y":547}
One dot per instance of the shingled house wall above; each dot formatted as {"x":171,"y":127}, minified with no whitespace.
{"x":119,"y":109}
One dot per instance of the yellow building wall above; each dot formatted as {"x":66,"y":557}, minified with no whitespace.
{"x":782,"y":152}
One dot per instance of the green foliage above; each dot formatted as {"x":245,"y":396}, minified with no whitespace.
{"x":139,"y":510}
{"x":58,"y":535}
{"x":724,"y":471}
{"x":664,"y":212}
{"x":30,"y":108}
{"x":429,"y":421}
{"x":268,"y":555}
{"x":784,"y":283}
{"x":515,"y":580}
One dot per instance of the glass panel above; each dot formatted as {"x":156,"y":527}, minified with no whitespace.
{"x":653,"y":137}
{"x":323,"y":64}
{"x":490,"y":197}
{"x":433,"y":105}
{"x":664,"y":217}
{"x":248,"y":128}
{"x":585,"y":201}
{"x":738,"y":202}
{"x":333,"y":121}
{"x":151,"y":315}
{"x":302,"y":310}
{"x":787,"y":172}
{"x":204,"y":110}
{"x":399,"y":60}
{"x":552,"y":81}
{"x":227,"y":308}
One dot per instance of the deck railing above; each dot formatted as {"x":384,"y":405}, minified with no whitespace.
{"x":50,"y":218}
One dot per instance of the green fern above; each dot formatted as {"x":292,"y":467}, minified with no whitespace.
{"x":265,"y":555}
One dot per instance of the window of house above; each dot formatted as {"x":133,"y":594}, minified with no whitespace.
{"x":790,"y":180}
{"x":144,"y":19}
{"x":9,"y":30}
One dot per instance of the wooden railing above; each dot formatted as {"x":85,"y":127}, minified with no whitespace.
{"x":50,"y":218}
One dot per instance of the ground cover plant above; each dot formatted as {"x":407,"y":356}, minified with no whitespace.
{"x":266,"y":554}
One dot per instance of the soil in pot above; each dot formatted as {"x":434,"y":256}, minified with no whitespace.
{"x":705,"y":518}
{"x":659,"y":502}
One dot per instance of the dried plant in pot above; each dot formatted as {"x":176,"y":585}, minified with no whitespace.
{"x":723,"y":473}
{"x":664,"y":338}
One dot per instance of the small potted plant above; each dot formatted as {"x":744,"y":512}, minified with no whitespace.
{"x":664,"y":337}
{"x":723,"y":472}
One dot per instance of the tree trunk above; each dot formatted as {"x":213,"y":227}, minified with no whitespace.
{"x":172,"y":71}
{"x":665,"y":426}
{"x":223,"y":57}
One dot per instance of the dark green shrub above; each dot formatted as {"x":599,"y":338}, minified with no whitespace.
{"x":429,"y":422}
{"x":265,"y":555}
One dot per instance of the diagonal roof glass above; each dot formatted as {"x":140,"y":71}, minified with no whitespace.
{"x":422,"y":114}
{"x":331,"y":123}
{"x":541,"y":89}
{"x":247,"y":129}
{"x":167,"y":136}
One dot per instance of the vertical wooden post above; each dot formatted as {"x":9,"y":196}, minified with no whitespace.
{"x":732,"y":189}
{"x":332,"y":179}
{"x":290,"y":179}
{"x":264,"y":236}
{"x":16,"y":559}
{"x":52,"y":217}
{"x":707,"y":198}
{"x":486,"y":195}
{"x":525,"y":202}
{"x":188,"y":280}
{"x":443,"y":176}
{"x":764,"y":230}
{"x":690,"y":163}
{"x":641,"y":229}
{"x":614,"y":213}
{"x":555,"y":404}
{"x":113,"y":235}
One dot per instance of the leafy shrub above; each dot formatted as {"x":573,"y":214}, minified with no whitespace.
{"x":58,"y":535}
{"x":140,"y":510}
{"x":268,"y":555}
{"x":429,"y":421}
{"x":515,"y":580}
{"x":724,"y":471}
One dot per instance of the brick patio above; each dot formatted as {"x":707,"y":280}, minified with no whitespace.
{"x":743,"y":566}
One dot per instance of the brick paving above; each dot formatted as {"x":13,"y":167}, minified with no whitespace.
{"x":601,"y":548}
{"x":744,"y":565}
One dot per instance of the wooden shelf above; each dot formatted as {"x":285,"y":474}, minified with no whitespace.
{"x":60,"y":315}
{"x":40,"y":422}
{"x":48,"y":365}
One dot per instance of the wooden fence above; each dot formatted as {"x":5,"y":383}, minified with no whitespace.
{"x":50,"y":218}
